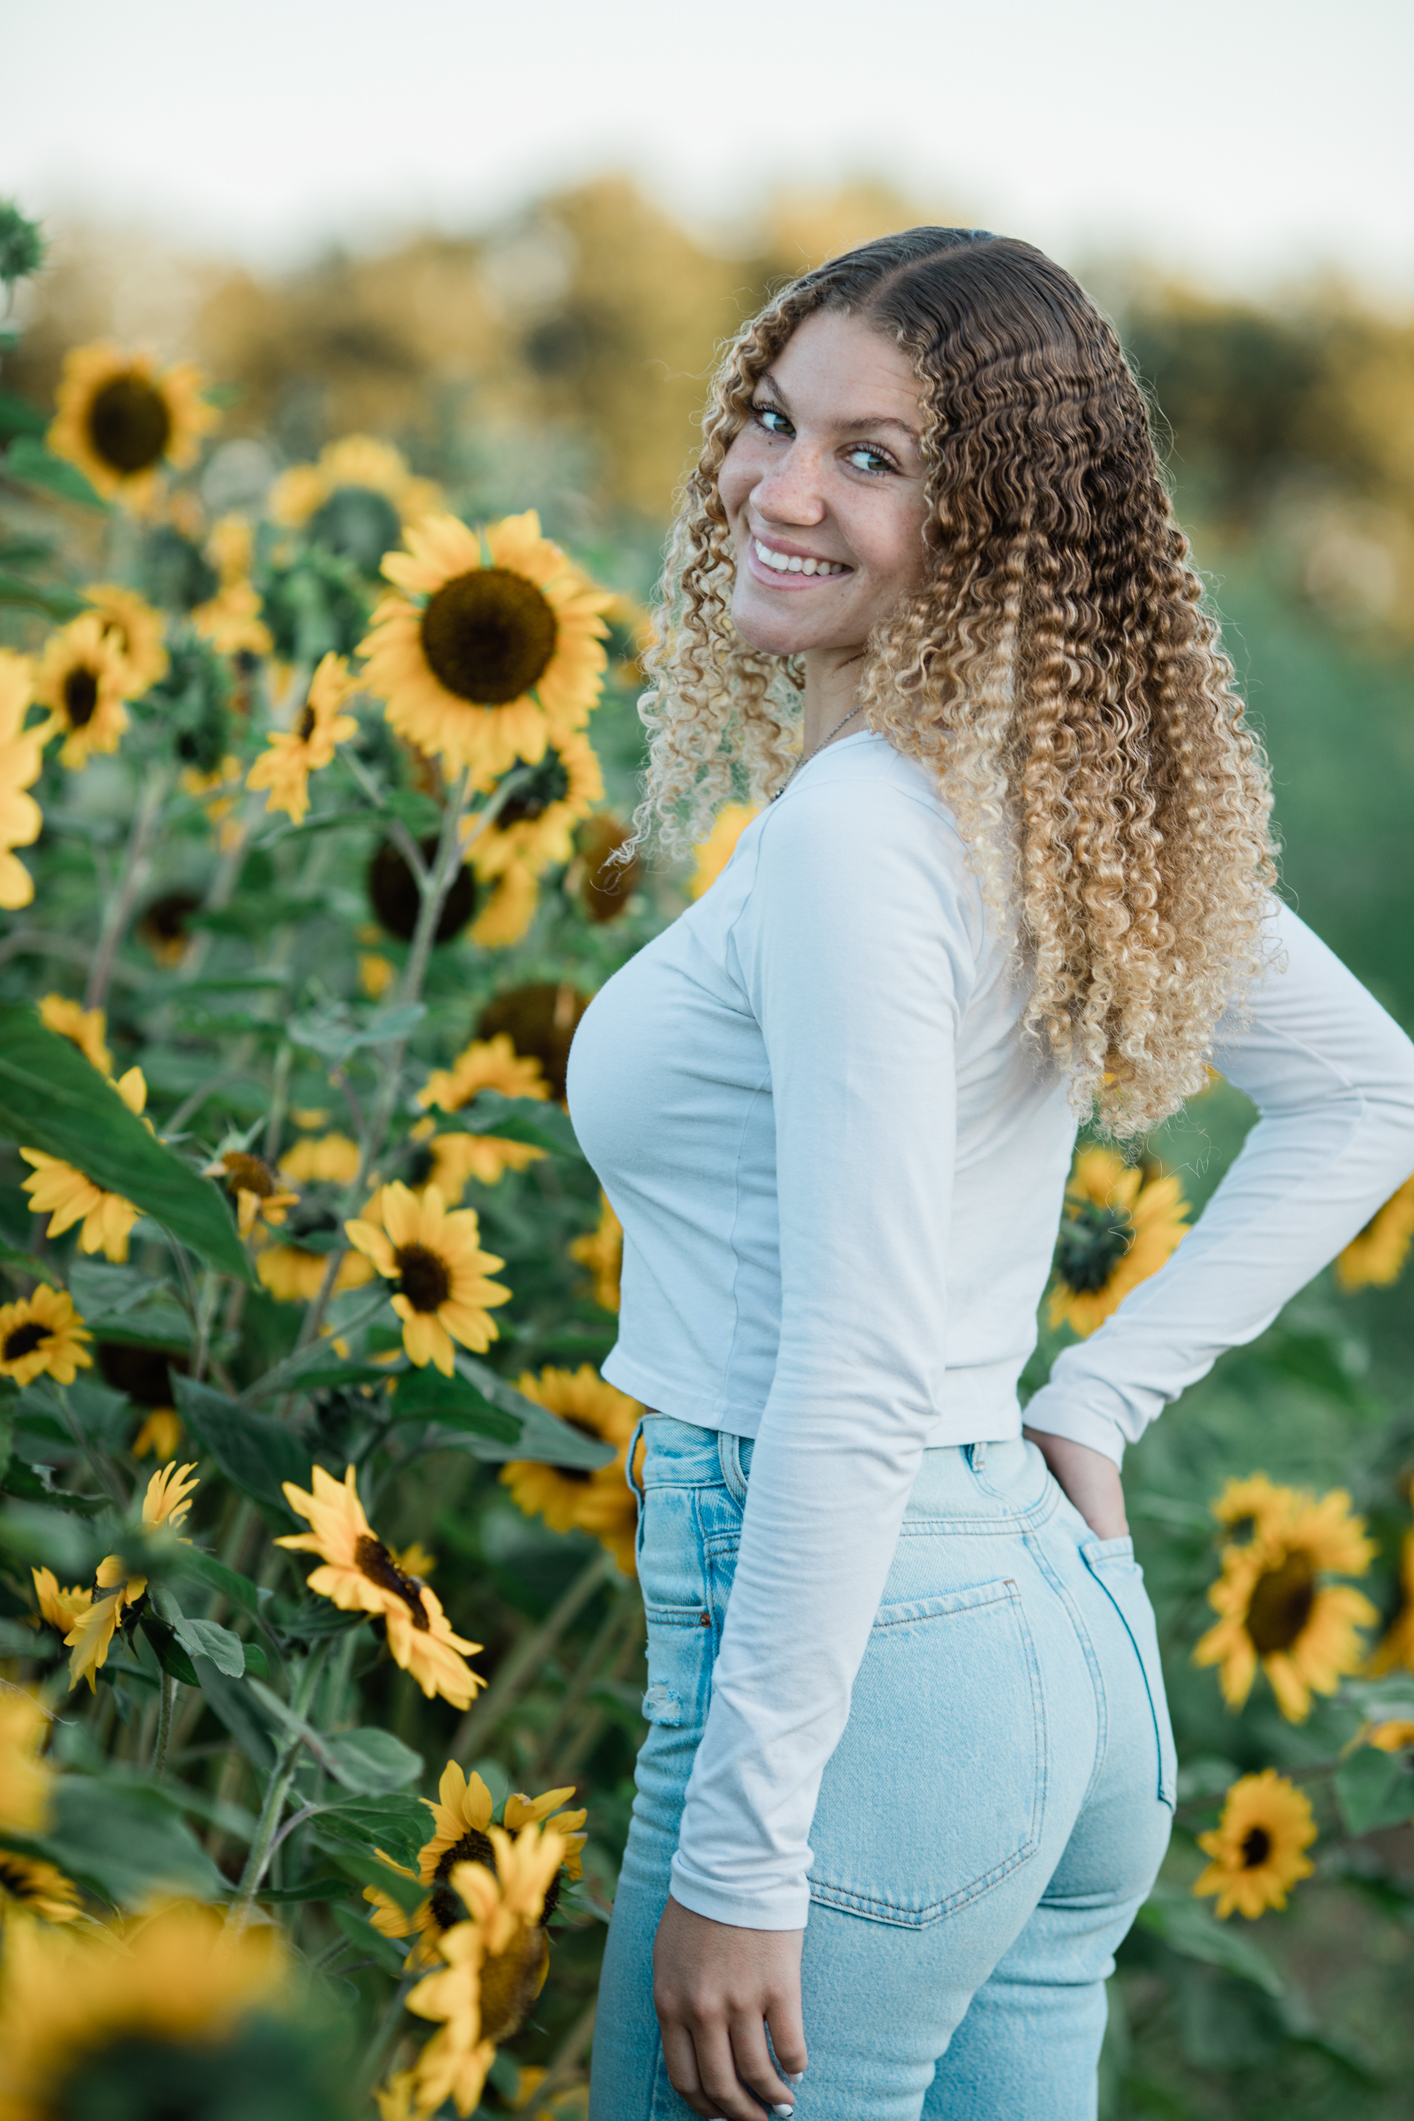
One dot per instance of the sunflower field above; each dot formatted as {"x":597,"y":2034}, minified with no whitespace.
{"x":321,"y":1652}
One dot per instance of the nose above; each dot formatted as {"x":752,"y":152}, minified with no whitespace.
{"x":790,"y":492}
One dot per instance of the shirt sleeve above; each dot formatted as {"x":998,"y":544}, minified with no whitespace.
{"x":1332,"y":1077}
{"x":856,"y":950}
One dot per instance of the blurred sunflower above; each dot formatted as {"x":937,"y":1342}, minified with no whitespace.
{"x":43,"y":1335}
{"x":361,"y":1576}
{"x":437,"y":1262}
{"x":717,"y":849}
{"x":449,"y":1161}
{"x":21,"y":762}
{"x":486,"y":1064}
{"x":1375,"y":1258}
{"x":78,"y":2006}
{"x":507,"y":914}
{"x":26,"y":1780}
{"x":144,"y":1375}
{"x":1276,"y":1612}
{"x":293,"y":754}
{"x":540,"y":1020}
{"x":535,"y":826}
{"x":355,"y":500}
{"x":257,"y":1189}
{"x":396,"y":898}
{"x":452,"y":1159}
{"x":230,"y":619}
{"x":602,"y":1251}
{"x":84,"y":1028}
{"x":570,"y":1498}
{"x":67,"y":1197}
{"x":132,"y":627}
{"x":1257,"y":1846}
{"x":1118,"y":1228}
{"x":1391,"y":1737}
{"x":30,"y":1886}
{"x":159,"y":1435}
{"x":325,"y":1159}
{"x":167,"y":1502}
{"x":165,"y":925}
{"x":59,"y":1605}
{"x":458,"y":670}
{"x":81,"y":679}
{"x":295,"y":1274}
{"x":1395,"y":1651}
{"x":603,"y":883}
{"x":120,"y":418}
{"x":1253,"y":1508}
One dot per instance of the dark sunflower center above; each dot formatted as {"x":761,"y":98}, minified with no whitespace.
{"x":247,"y":1174}
{"x":144,"y":1374}
{"x":15,"y":1880}
{"x":1256,"y":1847}
{"x":165,"y":920}
{"x":1090,"y":1244}
{"x":129,"y":424}
{"x":23,"y":1340}
{"x":577,"y":1473}
{"x":1281,"y":1604}
{"x":395,"y":898}
{"x":446,"y":1904}
{"x":423,"y":1277}
{"x":549,"y":783}
{"x":80,"y":697}
{"x":372,"y":1559}
{"x":420,"y":1166}
{"x":307,"y":722}
{"x":488,"y":635}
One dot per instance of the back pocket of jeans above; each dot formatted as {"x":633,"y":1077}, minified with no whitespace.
{"x":1111,"y":1562}
{"x":935,"y":1791}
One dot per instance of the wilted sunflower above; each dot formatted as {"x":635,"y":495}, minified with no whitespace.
{"x":135,"y":629}
{"x":1257,"y":1845}
{"x":256,"y":1187}
{"x":486,"y":1064}
{"x":21,"y":762}
{"x":535,"y":825}
{"x":120,"y":419}
{"x":67,"y":1197}
{"x":81,"y":680}
{"x":26,"y":1780}
{"x":713,"y":853}
{"x":167,"y":1502}
{"x":43,"y":1335}
{"x":1276,"y":1611}
{"x":602,"y":1251}
{"x":294,"y":1274}
{"x":462,"y":1816}
{"x":1396,"y":1647}
{"x":495,"y":1968}
{"x":1254,"y":1507}
{"x":77,"y":2005}
{"x":296,"y":753}
{"x":30,"y":1886}
{"x":1118,"y":1228}
{"x":361,"y":1576}
{"x":61,"y":1606}
{"x":458,"y":669}
{"x":540,"y":1021}
{"x":1375,"y":1258}
{"x":570,"y":1497}
{"x":325,"y":1159}
{"x":437,"y":1262}
{"x":355,"y":500}
{"x":84,"y":1028}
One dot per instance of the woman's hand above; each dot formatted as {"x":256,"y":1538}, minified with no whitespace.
{"x":1089,"y":1479}
{"x":715,"y":1989}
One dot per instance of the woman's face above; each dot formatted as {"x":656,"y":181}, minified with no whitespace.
{"x":824,"y":490}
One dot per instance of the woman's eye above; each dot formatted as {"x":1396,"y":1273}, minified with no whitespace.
{"x":866,"y":459}
{"x":774,"y":422}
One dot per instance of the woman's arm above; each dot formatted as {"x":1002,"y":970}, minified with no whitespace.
{"x":1332,"y":1077}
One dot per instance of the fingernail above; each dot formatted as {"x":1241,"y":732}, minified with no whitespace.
{"x":781,"y":2112}
{"x":796,"y":2078}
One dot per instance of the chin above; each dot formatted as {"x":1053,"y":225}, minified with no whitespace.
{"x":771,"y":631}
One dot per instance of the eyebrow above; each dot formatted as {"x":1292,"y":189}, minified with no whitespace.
{"x":869,"y":425}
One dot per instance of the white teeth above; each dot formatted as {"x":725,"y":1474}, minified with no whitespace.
{"x":792,"y":563}
{"x":809,"y":566}
{"x":796,"y":564}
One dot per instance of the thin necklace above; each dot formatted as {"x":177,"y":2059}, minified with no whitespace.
{"x":807,"y":756}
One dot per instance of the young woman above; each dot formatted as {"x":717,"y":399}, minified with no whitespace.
{"x":926,"y":596}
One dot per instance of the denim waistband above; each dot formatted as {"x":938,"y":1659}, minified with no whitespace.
{"x":1005,"y":1483}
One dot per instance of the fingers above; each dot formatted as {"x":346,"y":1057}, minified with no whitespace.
{"x":755,"y":2066}
{"x":788,"y":2030}
{"x":722,"y":2064}
{"x":680,"y":2061}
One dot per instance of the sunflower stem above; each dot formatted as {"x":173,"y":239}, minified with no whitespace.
{"x":282,"y":1775}
{"x":164,"y":1725}
{"x":526,"y":1658}
{"x":131,"y":878}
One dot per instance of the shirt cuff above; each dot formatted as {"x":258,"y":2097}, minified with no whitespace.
{"x":1053,"y":1411}
{"x":782,"y":1908}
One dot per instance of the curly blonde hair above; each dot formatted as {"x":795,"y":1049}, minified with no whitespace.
{"x":1057,"y":671}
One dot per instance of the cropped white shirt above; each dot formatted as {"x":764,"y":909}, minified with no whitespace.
{"x":839,"y":1167}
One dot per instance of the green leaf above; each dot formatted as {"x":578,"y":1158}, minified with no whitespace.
{"x":1192,"y":1931}
{"x":207,"y":1638}
{"x":371,"y":1942}
{"x":406,"y":1893}
{"x":518,"y":1119}
{"x":60,"y":604}
{"x":126,"y":1843}
{"x":51,"y":1099}
{"x":51,"y":1537}
{"x":253,"y":1452}
{"x":426,"y":1395}
{"x":28,"y":459}
{"x":26,"y":1263}
{"x":19,"y":416}
{"x":206,"y":1569}
{"x":308,"y":1889}
{"x":332,"y":1376}
{"x":171,"y":1655}
{"x":543,"y":1437}
{"x":234,"y":1705}
{"x":372,"y":1763}
{"x":36,"y":1484}
{"x":397,"y":1824}
{"x":1374,"y":1789}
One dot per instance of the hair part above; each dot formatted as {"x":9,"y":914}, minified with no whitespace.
{"x":1057,"y":672}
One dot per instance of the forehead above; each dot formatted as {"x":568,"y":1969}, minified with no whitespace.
{"x":840,"y":371}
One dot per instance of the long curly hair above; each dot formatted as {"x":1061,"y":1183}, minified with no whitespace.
{"x":1057,"y":671}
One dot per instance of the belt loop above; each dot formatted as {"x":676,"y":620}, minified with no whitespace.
{"x":977,"y":1457}
{"x":729,"y":1459}
{"x":631,"y":1462}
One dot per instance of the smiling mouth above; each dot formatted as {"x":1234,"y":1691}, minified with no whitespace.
{"x":793,"y":563}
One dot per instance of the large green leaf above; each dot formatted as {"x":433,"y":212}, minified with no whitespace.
{"x":254,"y":1452}
{"x":1375,"y":1789}
{"x":51,"y":1099}
{"x":1189,"y":1929}
{"x":27,"y":458}
{"x":126,"y":1843}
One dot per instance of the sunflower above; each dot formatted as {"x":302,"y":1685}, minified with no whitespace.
{"x":43,"y":1334}
{"x":1257,"y":1845}
{"x":296,"y":753}
{"x":459,"y":668}
{"x":1254,"y":1507}
{"x":360,"y":1576}
{"x":604,"y":884}
{"x":506,"y":917}
{"x":568,"y":1497}
{"x":21,"y":762}
{"x":178,"y":1977}
{"x":462,"y":1816}
{"x":1391,"y":1737}
{"x":1395,"y":1651}
{"x":160,"y":1433}
{"x":534,"y":827}
{"x":440,"y":1269}
{"x":165,"y":925}
{"x":1276,"y":1611}
{"x":294,"y":1274}
{"x":355,"y":500}
{"x":25,"y":1779}
{"x":395,"y":896}
{"x":602,"y":1251}
{"x":84,"y":1028}
{"x":81,"y":680}
{"x":60,"y":1606}
{"x":448,"y":1161}
{"x":1118,"y":1228}
{"x":326,"y":1159}
{"x":135,"y":629}
{"x":486,"y":1064}
{"x":33,"y":1887}
{"x":119,"y":417}
{"x":167,"y":1502}
{"x":540,"y":1021}
{"x":256,"y":1187}
{"x":717,"y":849}
{"x":495,"y":1965}
{"x":1375,"y":1258}
{"x":67,"y":1197}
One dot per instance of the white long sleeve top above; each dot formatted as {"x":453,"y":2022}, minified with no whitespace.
{"x":839,"y":1168}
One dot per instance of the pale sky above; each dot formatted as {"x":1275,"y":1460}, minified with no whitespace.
{"x":1244,"y":141}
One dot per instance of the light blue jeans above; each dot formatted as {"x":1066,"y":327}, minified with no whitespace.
{"x":988,"y":1825}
